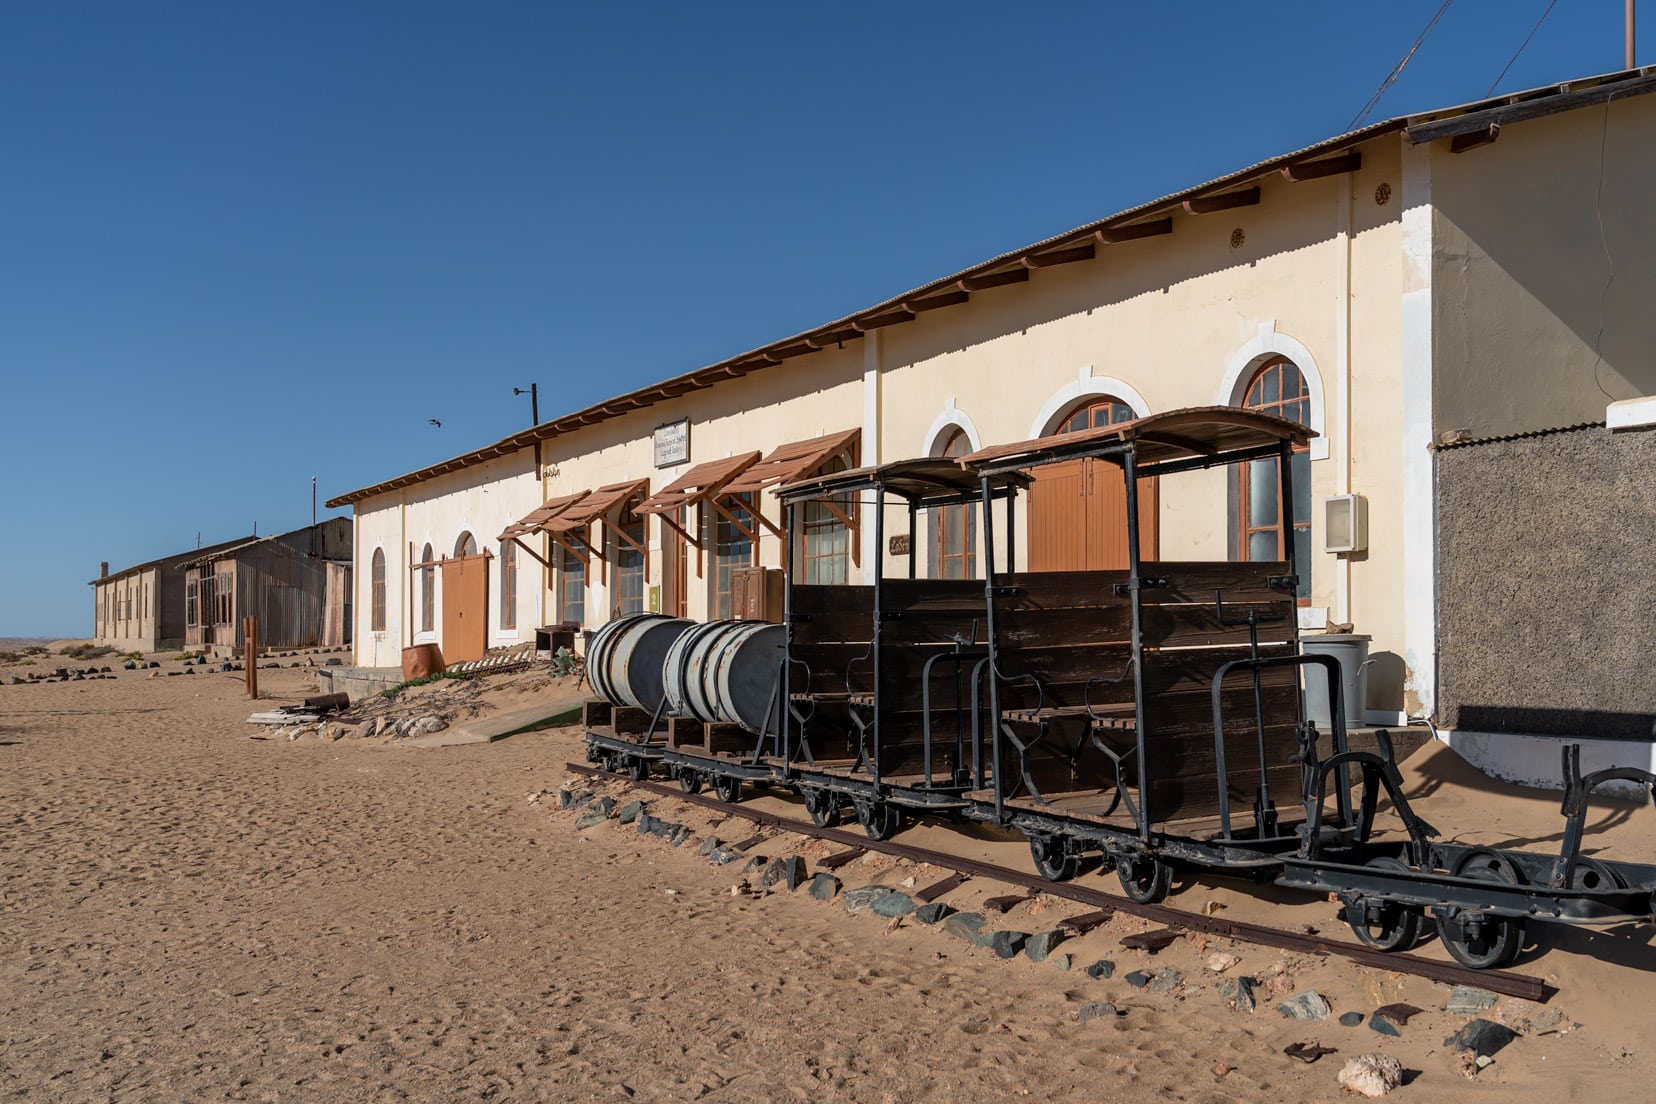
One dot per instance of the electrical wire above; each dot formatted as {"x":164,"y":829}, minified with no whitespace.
{"x":1521,"y":47}
{"x":1397,"y":71}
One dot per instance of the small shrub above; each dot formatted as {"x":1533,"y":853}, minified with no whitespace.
{"x":85,"y":651}
{"x":391,"y":694}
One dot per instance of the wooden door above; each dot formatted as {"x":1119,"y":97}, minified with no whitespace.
{"x":465,"y":608}
{"x":1057,"y":517}
{"x":1078,"y":518}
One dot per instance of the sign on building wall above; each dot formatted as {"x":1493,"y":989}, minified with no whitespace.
{"x":672,"y":443}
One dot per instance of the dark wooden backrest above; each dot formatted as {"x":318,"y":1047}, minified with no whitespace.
{"x":1063,"y":629}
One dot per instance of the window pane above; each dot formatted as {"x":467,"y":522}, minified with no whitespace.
{"x":1262,"y":493}
{"x":1270,"y":387}
{"x":1302,"y":560}
{"x":1301,"y":471}
{"x":1262,"y":545}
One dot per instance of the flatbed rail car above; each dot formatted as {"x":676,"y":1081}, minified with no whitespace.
{"x":1134,"y":711}
{"x":878,"y":678}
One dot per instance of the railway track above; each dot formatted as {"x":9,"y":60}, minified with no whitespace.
{"x":1505,"y":982}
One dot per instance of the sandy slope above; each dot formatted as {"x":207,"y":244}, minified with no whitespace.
{"x":189,"y":914}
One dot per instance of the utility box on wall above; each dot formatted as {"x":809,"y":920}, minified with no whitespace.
{"x":756,"y":594}
{"x":1345,"y":523}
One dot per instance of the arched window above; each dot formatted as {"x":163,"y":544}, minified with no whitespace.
{"x":508,"y":584}
{"x":955,"y":527}
{"x":732,"y":548}
{"x":428,"y":589}
{"x":376,"y":594}
{"x":826,"y":544}
{"x":1277,"y":387}
{"x":629,"y":563}
{"x":465,"y":545}
{"x":1102,"y":411}
{"x":571,"y":587}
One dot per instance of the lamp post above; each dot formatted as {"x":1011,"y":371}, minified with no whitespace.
{"x":534,"y":401}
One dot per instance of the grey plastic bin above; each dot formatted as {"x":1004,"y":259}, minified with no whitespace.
{"x":1352,"y":652}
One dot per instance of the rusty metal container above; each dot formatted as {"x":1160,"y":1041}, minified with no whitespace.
{"x":422,"y":661}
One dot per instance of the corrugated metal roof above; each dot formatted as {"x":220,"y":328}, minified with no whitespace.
{"x":953,"y":289}
{"x":1468,"y":442}
{"x":193,"y":552}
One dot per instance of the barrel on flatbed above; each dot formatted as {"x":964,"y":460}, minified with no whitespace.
{"x":727,"y":671}
{"x":627,"y":656}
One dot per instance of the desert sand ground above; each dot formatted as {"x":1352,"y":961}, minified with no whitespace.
{"x":190,"y":914}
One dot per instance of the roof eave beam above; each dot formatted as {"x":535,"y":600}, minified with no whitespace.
{"x":1060,"y":256}
{"x":1224,"y":201}
{"x":1460,"y":143}
{"x":993,"y":280}
{"x":1115,"y":235}
{"x":1347,"y":162}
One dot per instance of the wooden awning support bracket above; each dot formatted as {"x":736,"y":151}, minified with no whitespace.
{"x":680,"y":530}
{"x":519,"y":542}
{"x":625,"y":538}
{"x":582,"y":553}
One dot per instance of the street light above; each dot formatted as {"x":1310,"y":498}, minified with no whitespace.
{"x":534,"y":401}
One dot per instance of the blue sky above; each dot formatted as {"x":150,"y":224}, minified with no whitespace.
{"x":242,"y":245}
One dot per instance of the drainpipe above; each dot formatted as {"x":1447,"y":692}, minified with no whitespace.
{"x":1342,"y":396}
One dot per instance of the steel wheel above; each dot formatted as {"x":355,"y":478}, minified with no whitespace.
{"x":727,"y":788}
{"x":1590,"y":875}
{"x":1053,"y":860}
{"x":638,"y":769}
{"x":1384,"y":925}
{"x":1482,"y":940}
{"x":879,"y":819}
{"x":824,"y":807}
{"x":689,"y":781}
{"x":1144,"y":879}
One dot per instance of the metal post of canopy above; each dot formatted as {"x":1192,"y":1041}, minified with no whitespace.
{"x":1135,"y":581}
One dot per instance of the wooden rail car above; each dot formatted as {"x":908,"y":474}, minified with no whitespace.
{"x":1152,"y":714}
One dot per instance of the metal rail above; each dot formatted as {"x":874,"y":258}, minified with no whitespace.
{"x":1504,"y":982}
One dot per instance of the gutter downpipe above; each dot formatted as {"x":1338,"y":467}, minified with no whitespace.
{"x":1342,"y":401}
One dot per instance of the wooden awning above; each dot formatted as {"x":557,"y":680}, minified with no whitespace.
{"x":787,"y":463}
{"x":536,"y":520}
{"x":1201,"y":433}
{"x":922,"y":482}
{"x":697,"y":484}
{"x":597,"y":505}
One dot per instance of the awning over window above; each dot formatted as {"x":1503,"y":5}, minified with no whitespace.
{"x":538,"y":519}
{"x":700,"y":482}
{"x":596,"y":505}
{"x":787,"y":463}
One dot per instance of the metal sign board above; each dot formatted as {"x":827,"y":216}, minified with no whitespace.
{"x":672,"y":443}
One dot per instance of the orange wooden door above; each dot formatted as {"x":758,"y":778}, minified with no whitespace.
{"x":1078,"y":518}
{"x":1057,"y":517}
{"x":465,"y":608}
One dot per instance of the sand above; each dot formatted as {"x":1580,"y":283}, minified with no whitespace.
{"x":190,"y":914}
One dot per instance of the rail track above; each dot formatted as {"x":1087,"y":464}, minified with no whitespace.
{"x":1505,"y":982}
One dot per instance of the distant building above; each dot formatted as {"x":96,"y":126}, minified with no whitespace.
{"x":141,"y":608}
{"x":289,"y":582}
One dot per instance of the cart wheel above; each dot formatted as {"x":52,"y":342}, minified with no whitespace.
{"x":638,"y":769}
{"x":1482,"y":940}
{"x":1053,"y":860}
{"x":824,"y":807}
{"x":1144,"y":879}
{"x":879,"y":819}
{"x":1390,"y":926}
{"x":689,"y":781}
{"x":727,"y":788}
{"x":1590,"y":874}
{"x":593,"y":755}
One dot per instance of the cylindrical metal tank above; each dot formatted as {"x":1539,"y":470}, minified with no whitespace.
{"x":1352,"y":652}
{"x":726,"y":671}
{"x":625,"y":660}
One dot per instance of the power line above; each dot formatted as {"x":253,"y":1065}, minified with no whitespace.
{"x":1397,"y":71}
{"x":1525,"y":43}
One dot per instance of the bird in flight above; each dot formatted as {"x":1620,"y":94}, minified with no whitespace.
{"x":436,"y":423}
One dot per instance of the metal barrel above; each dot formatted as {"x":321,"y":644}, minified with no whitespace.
{"x":678,"y":671}
{"x":742,"y":676}
{"x":626,"y":659}
{"x":701,"y":662}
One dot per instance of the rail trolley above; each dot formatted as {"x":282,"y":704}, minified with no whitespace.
{"x":1151,"y":714}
